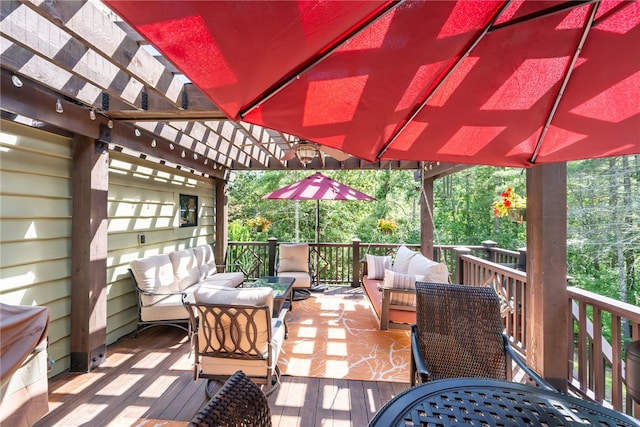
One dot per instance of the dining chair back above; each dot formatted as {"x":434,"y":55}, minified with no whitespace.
{"x":239,"y":403}
{"x":459,"y":333}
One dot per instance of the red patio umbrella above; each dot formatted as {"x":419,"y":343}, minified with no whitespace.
{"x":478,"y":82}
{"x":317,"y":187}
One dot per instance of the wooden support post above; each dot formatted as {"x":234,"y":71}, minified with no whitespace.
{"x":426,"y":218}
{"x":272,"y":243}
{"x":355,"y":280}
{"x":221,"y":233}
{"x":459,"y":274}
{"x":89,"y":254}
{"x":546,"y":308}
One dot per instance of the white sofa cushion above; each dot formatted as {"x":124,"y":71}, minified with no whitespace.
{"x":154,"y":274}
{"x":403,"y":257}
{"x":376,"y":266}
{"x":206,"y":263}
{"x":206,"y":260}
{"x":185,"y":268}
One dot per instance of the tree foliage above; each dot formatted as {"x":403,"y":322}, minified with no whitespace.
{"x":603,"y":214}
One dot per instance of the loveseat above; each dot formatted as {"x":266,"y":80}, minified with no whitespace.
{"x":391,"y":288}
{"x":160,"y":281}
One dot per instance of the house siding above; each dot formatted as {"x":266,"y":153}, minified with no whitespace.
{"x":35,"y":227}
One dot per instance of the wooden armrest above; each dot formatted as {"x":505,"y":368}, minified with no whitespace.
{"x":384,"y":288}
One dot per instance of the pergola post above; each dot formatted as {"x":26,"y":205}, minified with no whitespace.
{"x":547,"y":346}
{"x":426,"y":218}
{"x":221,"y":233}
{"x":89,"y":254}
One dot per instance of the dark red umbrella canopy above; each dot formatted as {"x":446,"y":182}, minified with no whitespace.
{"x":478,"y":82}
{"x":317,"y":187}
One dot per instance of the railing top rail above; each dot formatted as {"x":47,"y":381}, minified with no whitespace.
{"x":495,"y":266}
{"x":623,"y":309}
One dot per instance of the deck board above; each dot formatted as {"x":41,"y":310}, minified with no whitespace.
{"x":151,"y":377}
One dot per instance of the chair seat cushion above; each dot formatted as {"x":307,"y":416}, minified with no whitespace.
{"x":168,"y":308}
{"x":303,"y":280}
{"x":234,"y":277}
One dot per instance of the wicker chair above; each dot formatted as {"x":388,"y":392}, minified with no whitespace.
{"x":239,"y":403}
{"x":459,"y":333}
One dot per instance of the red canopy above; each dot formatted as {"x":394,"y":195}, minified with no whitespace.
{"x":317,"y":187}
{"x":480,"y":82}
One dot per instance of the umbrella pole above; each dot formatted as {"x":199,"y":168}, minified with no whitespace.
{"x":317,"y":267}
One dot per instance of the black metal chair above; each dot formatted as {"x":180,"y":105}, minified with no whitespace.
{"x":239,"y":403}
{"x":459,"y":333}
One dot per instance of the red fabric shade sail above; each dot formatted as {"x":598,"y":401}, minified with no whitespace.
{"x":477,"y":82}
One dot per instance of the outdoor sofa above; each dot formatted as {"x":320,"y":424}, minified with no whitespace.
{"x":160,"y":281}
{"x":391,"y":288}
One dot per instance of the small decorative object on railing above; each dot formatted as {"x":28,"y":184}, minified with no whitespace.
{"x":387,"y":226}
{"x":259,"y":223}
{"x":511,"y":204}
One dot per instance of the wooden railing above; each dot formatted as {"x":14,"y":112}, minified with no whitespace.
{"x":597,"y":368}
{"x":510,"y":285}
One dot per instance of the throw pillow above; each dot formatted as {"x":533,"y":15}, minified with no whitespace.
{"x":395,"y":280}
{"x":403,"y":256}
{"x":420,"y":264}
{"x":438,"y":273}
{"x":376,"y":266}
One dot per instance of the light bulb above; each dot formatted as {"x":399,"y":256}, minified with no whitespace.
{"x":110,"y":124}
{"x":59,"y":108}
{"x":16,"y":81}
{"x":137,"y":132}
{"x":153,"y":142}
{"x":195,"y":156}
{"x":92,"y":114}
{"x":183,"y":154}
{"x":206,"y":161}
{"x":171,"y":146}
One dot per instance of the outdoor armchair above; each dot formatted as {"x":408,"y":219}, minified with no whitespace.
{"x":234,"y":329}
{"x":239,"y":403}
{"x":293,"y":261}
{"x":459,"y":333}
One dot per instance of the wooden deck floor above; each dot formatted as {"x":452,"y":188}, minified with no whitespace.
{"x":151,"y":377}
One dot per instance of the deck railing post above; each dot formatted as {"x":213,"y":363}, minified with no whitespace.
{"x":272,"y":243}
{"x":459,"y":251}
{"x":355,"y":280}
{"x":489,"y":253}
{"x":522,"y":259}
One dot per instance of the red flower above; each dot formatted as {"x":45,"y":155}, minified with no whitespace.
{"x":507,"y":203}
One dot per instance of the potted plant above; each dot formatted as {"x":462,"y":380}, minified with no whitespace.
{"x":511,"y":204}
{"x":260,"y":224}
{"x":387,"y":226}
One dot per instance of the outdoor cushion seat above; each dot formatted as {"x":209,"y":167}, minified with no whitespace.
{"x":391,"y":288}
{"x":293,"y":261}
{"x":160,"y":280}
{"x":235,"y":329}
